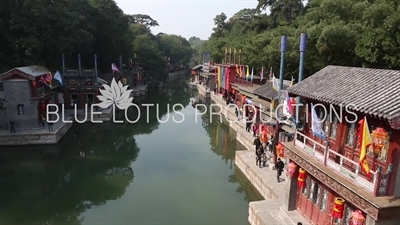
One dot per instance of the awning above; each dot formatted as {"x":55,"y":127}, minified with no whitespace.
{"x":257,"y":102}
{"x":197,"y":67}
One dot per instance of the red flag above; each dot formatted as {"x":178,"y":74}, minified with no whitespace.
{"x":49,"y":77}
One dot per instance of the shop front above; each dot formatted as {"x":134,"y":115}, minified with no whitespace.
{"x":321,"y":205}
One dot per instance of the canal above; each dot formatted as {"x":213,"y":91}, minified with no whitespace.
{"x":143,"y":173}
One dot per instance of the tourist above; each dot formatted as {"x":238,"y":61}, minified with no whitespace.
{"x":255,"y":129}
{"x":42,"y":120}
{"x":256,"y":143}
{"x":50,"y":125}
{"x":237,"y":112}
{"x":12,"y":123}
{"x":264,"y":159}
{"x":259,"y":153}
{"x":279,"y":168}
{"x":248,"y":124}
{"x":270,"y":143}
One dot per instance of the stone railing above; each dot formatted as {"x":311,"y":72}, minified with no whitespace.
{"x":342,"y":165}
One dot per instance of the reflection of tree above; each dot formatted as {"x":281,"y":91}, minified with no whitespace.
{"x":56,"y":189}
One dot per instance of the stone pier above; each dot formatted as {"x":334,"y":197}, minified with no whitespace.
{"x":39,"y":136}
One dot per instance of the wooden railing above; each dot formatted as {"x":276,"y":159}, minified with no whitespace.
{"x":243,"y":82}
{"x":344,"y":166}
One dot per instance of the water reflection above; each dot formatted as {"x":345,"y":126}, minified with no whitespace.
{"x":93,"y":167}
{"x":176,"y":180}
{"x":223,"y":143}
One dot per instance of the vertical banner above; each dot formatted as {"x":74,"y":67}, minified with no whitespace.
{"x":223,"y":77}
{"x":220,"y":76}
{"x":228,"y":79}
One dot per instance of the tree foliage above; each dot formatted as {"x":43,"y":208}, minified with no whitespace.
{"x":340,"y":32}
{"x":37,"y":33}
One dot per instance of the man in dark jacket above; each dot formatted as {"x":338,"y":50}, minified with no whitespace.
{"x":279,"y":168}
{"x":256,"y":143}
{"x":259,"y":153}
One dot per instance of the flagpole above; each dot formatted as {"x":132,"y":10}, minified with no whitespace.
{"x":80,"y":99}
{"x":120,"y":65}
{"x":79,"y":64}
{"x":63,"y":63}
{"x":303,"y":46}
{"x":95,"y":70}
{"x":282,"y":67}
{"x":234,"y":56}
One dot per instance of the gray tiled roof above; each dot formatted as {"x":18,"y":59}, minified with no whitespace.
{"x":266,"y":91}
{"x":370,"y":91}
{"x":34,"y":71}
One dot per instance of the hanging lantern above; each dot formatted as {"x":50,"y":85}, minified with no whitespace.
{"x":280,"y":150}
{"x":291,"y":169}
{"x":379,"y":137}
{"x":34,"y":84}
{"x":301,"y":180}
{"x":338,"y":208}
{"x":357,"y":218}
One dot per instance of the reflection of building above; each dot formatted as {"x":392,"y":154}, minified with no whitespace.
{"x":223,"y":143}
{"x":23,"y":90}
{"x":334,"y":171}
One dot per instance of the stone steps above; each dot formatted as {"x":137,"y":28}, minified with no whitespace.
{"x":291,"y":217}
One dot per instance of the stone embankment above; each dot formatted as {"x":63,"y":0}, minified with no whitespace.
{"x":35,"y":136}
{"x":270,"y":211}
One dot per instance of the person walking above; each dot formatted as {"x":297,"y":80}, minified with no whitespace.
{"x":255,"y":129}
{"x":248,"y":124}
{"x":43,"y":120}
{"x":259,"y":153}
{"x":279,"y":168}
{"x":12,"y":123}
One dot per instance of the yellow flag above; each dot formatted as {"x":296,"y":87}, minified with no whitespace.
{"x":234,"y":50}
{"x":365,"y":143}
{"x":230,"y":50}
{"x":248,"y":71}
{"x":226,"y":50}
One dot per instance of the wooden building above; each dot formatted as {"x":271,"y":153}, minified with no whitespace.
{"x":81,"y":87}
{"x":196,"y":72}
{"x":334,"y":184}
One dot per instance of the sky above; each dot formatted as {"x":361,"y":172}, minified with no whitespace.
{"x":185,"y":17}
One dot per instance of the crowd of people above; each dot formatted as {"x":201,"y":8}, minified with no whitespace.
{"x":263,"y":142}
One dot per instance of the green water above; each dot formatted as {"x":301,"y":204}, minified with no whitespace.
{"x":144,"y":173}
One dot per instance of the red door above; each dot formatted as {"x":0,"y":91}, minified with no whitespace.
{"x":313,"y":202}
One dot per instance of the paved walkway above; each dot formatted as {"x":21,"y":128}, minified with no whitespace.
{"x":271,"y":210}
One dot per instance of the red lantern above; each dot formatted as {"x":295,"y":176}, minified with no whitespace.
{"x":280,"y":150}
{"x":301,"y":180}
{"x":291,"y":169}
{"x":34,"y":83}
{"x":357,"y":218}
{"x":338,"y":208}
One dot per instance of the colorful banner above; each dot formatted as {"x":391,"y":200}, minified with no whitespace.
{"x":220,"y":77}
{"x":223,"y":77}
{"x":228,"y":79}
